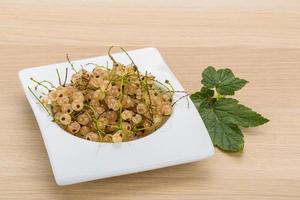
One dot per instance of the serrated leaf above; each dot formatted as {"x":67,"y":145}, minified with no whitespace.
{"x":200,"y":97}
{"x":222,"y":120}
{"x":223,"y":116}
{"x":225,"y":136}
{"x":223,"y":80}
{"x":230,"y":111}
{"x":209,"y":77}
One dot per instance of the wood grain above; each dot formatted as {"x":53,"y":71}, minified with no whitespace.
{"x":259,"y":40}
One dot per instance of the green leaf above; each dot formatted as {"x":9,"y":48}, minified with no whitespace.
{"x":223,"y":80}
{"x":223,"y":117}
{"x":222,"y":120}
{"x":202,"y":96}
{"x":230,"y":111}
{"x":227,"y":137}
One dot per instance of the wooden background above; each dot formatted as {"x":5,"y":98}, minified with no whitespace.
{"x":258,"y":39}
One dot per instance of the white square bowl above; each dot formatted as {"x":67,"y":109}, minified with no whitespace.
{"x":182,"y":139}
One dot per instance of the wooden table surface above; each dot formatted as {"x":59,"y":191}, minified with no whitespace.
{"x":258,"y":39}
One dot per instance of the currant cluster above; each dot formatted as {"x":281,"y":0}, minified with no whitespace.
{"x":110,"y":105}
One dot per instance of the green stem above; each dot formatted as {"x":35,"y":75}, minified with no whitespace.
{"x":96,"y":125}
{"x":184,"y":96}
{"x":90,"y":107}
{"x":66,"y":77}
{"x":135,"y":67}
{"x":39,"y":83}
{"x":59,"y":80}
{"x":52,"y":85}
{"x":128,"y":55}
{"x":110,"y":56}
{"x":160,"y":83}
{"x":219,"y":96}
{"x":148,"y":93}
{"x":172,"y":89}
{"x":72,"y":66}
{"x":40,"y":102}
{"x":121,"y":107}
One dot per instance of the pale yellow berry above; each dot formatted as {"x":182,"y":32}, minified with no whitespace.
{"x":136,"y":119}
{"x":102,"y":122}
{"x":141,"y":108}
{"x":157,"y":119}
{"x":127,"y":102}
{"x":88,"y":96}
{"x":85,"y":74}
{"x":155,"y":100}
{"x":114,"y":91}
{"x":91,"y":136}
{"x":127,"y":114}
{"x":116,"y":137}
{"x":83,"y":119}
{"x":70,"y":90}
{"x":104,"y":84}
{"x":127,"y":126}
{"x":113,"y":104}
{"x":45,"y":100}
{"x":77,"y":105}
{"x":65,"y":119}
{"x":84,"y":130}
{"x":138,"y":94}
{"x":167,"y":109}
{"x":99,"y":72}
{"x":62,"y":100}
{"x":139,"y":133}
{"x":129,"y":69}
{"x":77,"y":96}
{"x":112,"y":127}
{"x":150,"y":79}
{"x":56,"y":108}
{"x":99,"y":94}
{"x":57,"y":116}
{"x":146,"y":124}
{"x":53,"y":95}
{"x":74,"y":127}
{"x":95,"y":103}
{"x":107,"y":138}
{"x":120,"y":70}
{"x":100,"y":110}
{"x":75,"y":78}
{"x":95,"y":82}
{"x":67,"y":108}
{"x":134,"y":80}
{"x":166,"y":97}
{"x":61,"y":92}
{"x":130,"y":89}
{"x":111,"y":116}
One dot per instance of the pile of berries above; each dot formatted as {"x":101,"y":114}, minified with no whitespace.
{"x":110,"y":105}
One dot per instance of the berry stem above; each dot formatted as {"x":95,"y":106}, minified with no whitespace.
{"x":39,"y":84}
{"x":72,"y":66}
{"x":96,"y":125}
{"x":160,"y":83}
{"x":110,"y":56}
{"x":93,"y":110}
{"x":59,"y":80}
{"x":51,"y":84}
{"x":66,"y":77}
{"x":184,"y":96}
{"x":128,"y":56}
{"x":38,"y":99}
{"x":121,"y":107}
{"x":148,"y":93}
